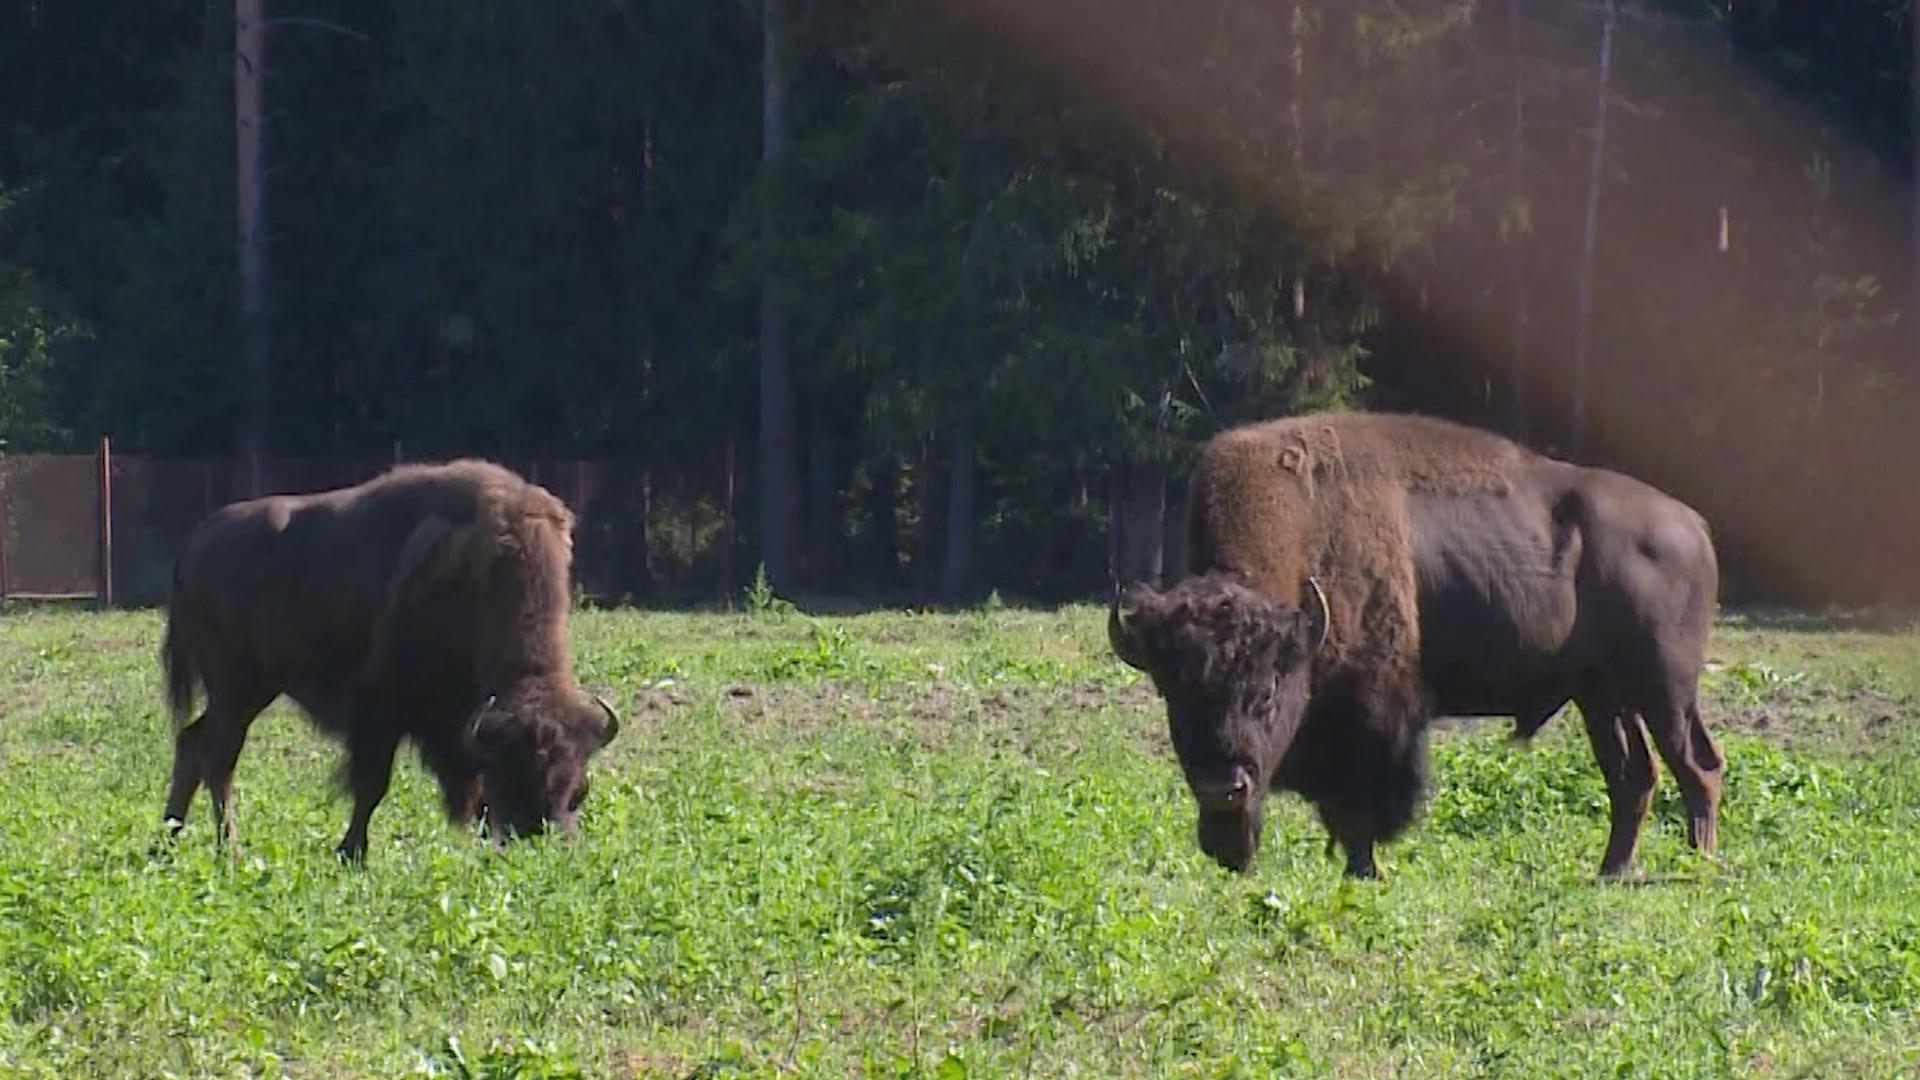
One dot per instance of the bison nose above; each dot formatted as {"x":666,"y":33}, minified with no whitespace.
{"x":1231,"y":793}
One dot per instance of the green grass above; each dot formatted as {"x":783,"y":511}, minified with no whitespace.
{"x":950,"y":845}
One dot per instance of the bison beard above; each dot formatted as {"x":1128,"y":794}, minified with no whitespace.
{"x":427,"y":605}
{"x":1464,"y":576}
{"x":1232,"y":837}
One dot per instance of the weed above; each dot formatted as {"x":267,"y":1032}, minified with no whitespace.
{"x":762,"y":600}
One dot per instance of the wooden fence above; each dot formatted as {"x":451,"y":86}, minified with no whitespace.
{"x":106,"y":527}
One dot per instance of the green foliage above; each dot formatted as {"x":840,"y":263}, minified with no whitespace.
{"x":29,"y":344}
{"x":762,"y":600}
{"x":527,"y":1060}
{"x":947,"y":845}
{"x":1757,"y":680}
{"x":545,"y":230}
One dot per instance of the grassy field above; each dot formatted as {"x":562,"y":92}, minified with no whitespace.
{"x":948,"y":846}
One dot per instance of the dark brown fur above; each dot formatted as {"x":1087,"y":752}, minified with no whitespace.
{"x":428,"y":604}
{"x":1463,"y":575}
{"x":1232,"y":666}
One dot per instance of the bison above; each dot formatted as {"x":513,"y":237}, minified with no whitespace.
{"x":428,"y":604}
{"x":1354,"y":576}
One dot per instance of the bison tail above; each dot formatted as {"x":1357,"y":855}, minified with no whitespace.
{"x":178,"y":661}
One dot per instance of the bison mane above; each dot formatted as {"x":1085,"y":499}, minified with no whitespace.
{"x":1325,"y":497}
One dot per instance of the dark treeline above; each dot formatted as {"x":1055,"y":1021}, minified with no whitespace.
{"x":951,"y":291}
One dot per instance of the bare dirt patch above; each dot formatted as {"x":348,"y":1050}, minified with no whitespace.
{"x":1852,"y":721}
{"x":1017,"y":715}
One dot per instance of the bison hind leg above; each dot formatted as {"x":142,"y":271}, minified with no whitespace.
{"x":187,"y":769}
{"x":1620,"y":747}
{"x":1690,"y":751}
{"x":205,"y":752}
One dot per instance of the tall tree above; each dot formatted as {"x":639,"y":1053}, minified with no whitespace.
{"x":250,"y":118}
{"x":1517,"y":225}
{"x":1590,"y":235}
{"x":779,"y":448}
{"x":957,"y":573}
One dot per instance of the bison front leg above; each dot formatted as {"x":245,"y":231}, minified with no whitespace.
{"x":1620,"y":747}
{"x":1358,"y":844}
{"x":369,"y":770}
{"x":1346,"y":832}
{"x":1360,"y":862}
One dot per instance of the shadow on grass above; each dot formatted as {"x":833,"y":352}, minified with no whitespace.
{"x":1875,"y":620}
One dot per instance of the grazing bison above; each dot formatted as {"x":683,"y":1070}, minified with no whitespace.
{"x":1355,"y":576}
{"x":428,"y":604}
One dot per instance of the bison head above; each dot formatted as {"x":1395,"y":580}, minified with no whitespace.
{"x":1233,"y":666}
{"x":532,"y":744}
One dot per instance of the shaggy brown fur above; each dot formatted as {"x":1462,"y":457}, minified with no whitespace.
{"x":1463,"y":575}
{"x":428,"y":604}
{"x":1232,"y":665}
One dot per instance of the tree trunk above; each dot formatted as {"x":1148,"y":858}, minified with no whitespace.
{"x":823,"y":517}
{"x":1517,"y":242}
{"x":1297,"y":138}
{"x":1064,"y":539}
{"x":1914,"y":120}
{"x":1296,"y":106}
{"x":779,"y":475}
{"x":962,"y":501}
{"x":643,"y":534}
{"x":1595,"y":171}
{"x":249,"y":113}
{"x":926,"y":496}
{"x":1143,"y":528}
{"x":728,"y":471}
{"x":612,"y":549}
{"x":1177,"y":561}
{"x":883,"y":522}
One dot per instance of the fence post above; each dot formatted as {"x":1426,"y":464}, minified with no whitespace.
{"x":106,"y":522}
{"x":3,"y":527}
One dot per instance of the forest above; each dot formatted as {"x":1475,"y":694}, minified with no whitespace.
{"x":950,"y":292}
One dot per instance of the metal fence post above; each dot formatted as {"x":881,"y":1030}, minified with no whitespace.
{"x":106,"y":522}
{"x":3,"y":527}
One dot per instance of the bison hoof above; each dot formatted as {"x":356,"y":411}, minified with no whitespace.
{"x":1702,"y":834}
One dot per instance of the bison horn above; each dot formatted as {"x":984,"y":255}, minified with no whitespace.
{"x":1123,"y":635}
{"x":613,"y":722}
{"x":1321,"y":620}
{"x":473,"y":726}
